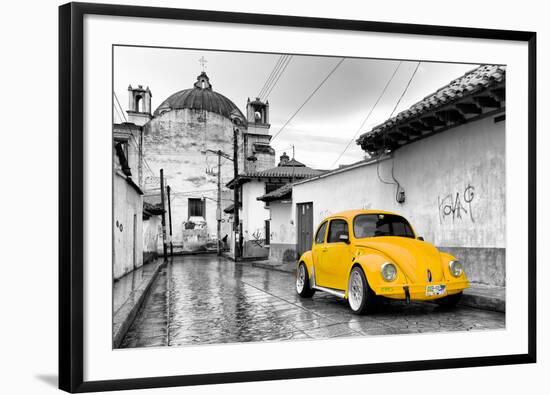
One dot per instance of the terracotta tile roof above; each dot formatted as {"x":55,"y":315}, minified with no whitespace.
{"x":231,"y":208}
{"x":296,"y":171}
{"x":280,"y":193}
{"x":285,"y":171}
{"x":150,"y":209}
{"x":292,"y":163}
{"x":472,"y":83}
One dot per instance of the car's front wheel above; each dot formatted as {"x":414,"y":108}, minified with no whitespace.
{"x":303,"y":286}
{"x":361,"y":297}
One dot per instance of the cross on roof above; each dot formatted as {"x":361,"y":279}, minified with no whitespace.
{"x":203,"y":62}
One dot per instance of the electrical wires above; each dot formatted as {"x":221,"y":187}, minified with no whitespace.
{"x":368,"y":115}
{"x":274,"y":76}
{"x":399,"y":192}
{"x":309,"y":98}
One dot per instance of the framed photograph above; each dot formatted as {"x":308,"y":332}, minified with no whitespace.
{"x":249,"y":197}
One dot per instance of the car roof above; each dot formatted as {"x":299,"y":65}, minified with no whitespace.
{"x":353,"y":213}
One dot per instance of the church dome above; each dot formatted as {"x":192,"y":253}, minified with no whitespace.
{"x":201,"y":97}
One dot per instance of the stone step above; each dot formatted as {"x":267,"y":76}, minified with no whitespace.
{"x":485,"y":297}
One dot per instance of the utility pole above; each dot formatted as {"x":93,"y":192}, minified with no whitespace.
{"x":220,"y":153}
{"x":236,"y":224}
{"x":170,"y":219}
{"x":219,"y":208}
{"x":140,"y":162}
{"x":163,"y":212}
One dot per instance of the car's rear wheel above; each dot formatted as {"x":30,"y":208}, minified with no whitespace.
{"x":361,"y":297}
{"x":303,"y":286}
{"x":449,"y":301}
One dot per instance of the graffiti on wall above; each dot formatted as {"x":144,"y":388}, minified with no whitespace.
{"x":457,"y":205}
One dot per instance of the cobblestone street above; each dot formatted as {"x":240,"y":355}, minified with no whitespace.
{"x":206,"y":299}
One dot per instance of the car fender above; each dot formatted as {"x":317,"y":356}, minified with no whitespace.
{"x":370,"y":261}
{"x":307,"y":259}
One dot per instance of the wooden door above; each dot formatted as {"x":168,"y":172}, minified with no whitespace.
{"x":304,"y":215}
{"x":267,"y":232}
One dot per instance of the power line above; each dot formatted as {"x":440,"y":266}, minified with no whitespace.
{"x":369,"y":114}
{"x":405,"y":90}
{"x":117,"y":112}
{"x":278,"y":77}
{"x":122,"y":111}
{"x":309,"y":97}
{"x":271,"y":75}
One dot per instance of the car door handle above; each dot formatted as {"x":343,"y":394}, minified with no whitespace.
{"x":324,"y":249}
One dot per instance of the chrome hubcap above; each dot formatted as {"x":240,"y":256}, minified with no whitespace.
{"x":355,"y":291}
{"x":300,"y":279}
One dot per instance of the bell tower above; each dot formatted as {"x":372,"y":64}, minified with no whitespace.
{"x":139,"y":105}
{"x":259,"y":154}
{"x":257,"y":115}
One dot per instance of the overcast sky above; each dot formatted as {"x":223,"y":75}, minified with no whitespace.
{"x":325,"y":125}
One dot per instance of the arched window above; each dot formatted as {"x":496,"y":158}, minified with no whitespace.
{"x":139,"y":104}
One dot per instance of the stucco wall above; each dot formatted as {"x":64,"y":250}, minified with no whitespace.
{"x":253,"y":211}
{"x":283,"y":232}
{"x":174,"y":141}
{"x":152,"y":234}
{"x":264,"y":160}
{"x":128,"y":204}
{"x":455,"y":192}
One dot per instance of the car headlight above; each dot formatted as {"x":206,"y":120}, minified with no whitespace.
{"x":389,"y":271}
{"x":456,"y":268}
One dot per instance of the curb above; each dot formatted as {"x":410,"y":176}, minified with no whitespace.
{"x":483,"y":302}
{"x":470,"y":298}
{"x":291,"y":268}
{"x":126,"y":314}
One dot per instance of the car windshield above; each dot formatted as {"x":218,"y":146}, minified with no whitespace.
{"x":373,"y":225}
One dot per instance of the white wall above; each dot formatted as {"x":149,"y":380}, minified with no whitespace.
{"x":152,"y":234}
{"x":467,"y":160}
{"x":173,"y":141}
{"x":253,"y":212}
{"x":127,"y":204}
{"x":283,"y":224}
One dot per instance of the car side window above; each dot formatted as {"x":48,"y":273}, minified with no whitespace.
{"x":337,"y":227}
{"x":320,"y":237}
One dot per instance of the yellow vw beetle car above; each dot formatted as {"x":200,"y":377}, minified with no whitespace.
{"x":363,"y":255}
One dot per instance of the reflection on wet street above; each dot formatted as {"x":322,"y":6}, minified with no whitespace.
{"x":207,"y":299}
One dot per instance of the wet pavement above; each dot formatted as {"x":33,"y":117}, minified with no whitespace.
{"x":206,"y":299}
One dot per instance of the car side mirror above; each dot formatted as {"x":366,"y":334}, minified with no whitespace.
{"x":420,"y":238}
{"x":344,"y":238}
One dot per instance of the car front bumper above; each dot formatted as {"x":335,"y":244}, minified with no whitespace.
{"x":418,"y":291}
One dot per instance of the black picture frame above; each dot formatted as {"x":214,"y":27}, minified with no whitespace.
{"x":71,"y":195}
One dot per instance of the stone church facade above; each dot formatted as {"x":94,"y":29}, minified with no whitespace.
{"x":179,"y":137}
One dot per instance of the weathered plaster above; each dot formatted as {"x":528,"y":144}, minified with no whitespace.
{"x":176,"y":141}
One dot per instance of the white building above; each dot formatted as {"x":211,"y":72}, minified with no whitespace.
{"x":254,"y":214}
{"x":182,"y":137}
{"x":127,"y":201}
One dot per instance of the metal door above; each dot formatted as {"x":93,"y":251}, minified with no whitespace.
{"x":304,"y":214}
